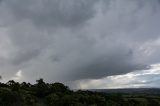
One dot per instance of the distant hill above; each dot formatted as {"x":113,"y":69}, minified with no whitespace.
{"x":130,"y":90}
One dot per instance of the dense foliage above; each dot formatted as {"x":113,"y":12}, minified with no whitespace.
{"x":43,"y":94}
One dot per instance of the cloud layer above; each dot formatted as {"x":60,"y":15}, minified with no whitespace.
{"x":77,"y":39}
{"x":137,"y":79}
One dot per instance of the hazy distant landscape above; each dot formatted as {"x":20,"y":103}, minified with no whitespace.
{"x":151,"y":91}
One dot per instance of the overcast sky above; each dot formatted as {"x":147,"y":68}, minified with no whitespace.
{"x":84,"y":43}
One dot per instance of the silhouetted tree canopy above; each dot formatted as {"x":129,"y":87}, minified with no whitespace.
{"x":57,"y":94}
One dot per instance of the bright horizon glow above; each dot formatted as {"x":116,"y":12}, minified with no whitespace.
{"x":135,"y":79}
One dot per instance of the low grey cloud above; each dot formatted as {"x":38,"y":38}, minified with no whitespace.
{"x":77,"y":39}
{"x":52,"y":13}
{"x":138,"y":79}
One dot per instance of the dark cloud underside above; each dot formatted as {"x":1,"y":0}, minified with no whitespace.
{"x":63,"y":40}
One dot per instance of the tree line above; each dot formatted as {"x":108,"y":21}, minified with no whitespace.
{"x":57,"y":94}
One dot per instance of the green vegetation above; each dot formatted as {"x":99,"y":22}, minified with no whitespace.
{"x":57,"y":94}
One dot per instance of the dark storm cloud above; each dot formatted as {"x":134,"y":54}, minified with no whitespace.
{"x":140,"y":78}
{"x":77,"y":39}
{"x":110,"y":63}
{"x":46,"y":14}
{"x":52,"y":12}
{"x":24,"y":56}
